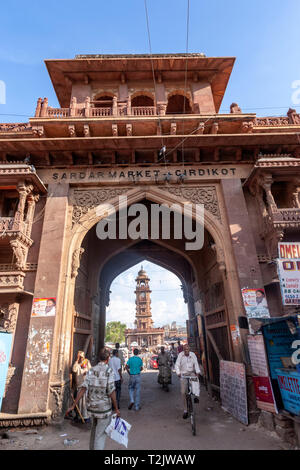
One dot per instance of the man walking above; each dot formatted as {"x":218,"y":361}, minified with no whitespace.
{"x":120,"y":355}
{"x":115,"y":364}
{"x":164,"y":364}
{"x":134,"y":367}
{"x":99,"y":384}
{"x":186,"y":365}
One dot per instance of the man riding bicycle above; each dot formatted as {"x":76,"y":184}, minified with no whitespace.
{"x":186,"y":365}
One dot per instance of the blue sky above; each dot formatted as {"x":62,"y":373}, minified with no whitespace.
{"x":263,"y":35}
{"x":167,"y":302}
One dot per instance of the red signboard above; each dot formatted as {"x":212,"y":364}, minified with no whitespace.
{"x":264,"y":394}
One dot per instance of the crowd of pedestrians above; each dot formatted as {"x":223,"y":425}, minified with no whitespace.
{"x":97,"y":390}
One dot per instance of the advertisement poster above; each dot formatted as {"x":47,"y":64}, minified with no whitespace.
{"x":255,"y":303}
{"x":289,"y":250}
{"x":264,"y":394}
{"x":235,"y":334}
{"x":258,"y":356}
{"x":5,"y":347}
{"x":45,"y":307}
{"x":289,"y":277}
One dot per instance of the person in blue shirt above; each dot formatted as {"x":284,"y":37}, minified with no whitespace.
{"x":134,"y":367}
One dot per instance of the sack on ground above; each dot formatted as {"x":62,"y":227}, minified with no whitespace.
{"x":195,"y":387}
{"x":118,"y":430}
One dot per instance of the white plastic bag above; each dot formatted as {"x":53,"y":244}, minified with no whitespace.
{"x":118,"y":430}
{"x":195,"y":387}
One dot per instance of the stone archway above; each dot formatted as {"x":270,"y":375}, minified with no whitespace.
{"x":84,"y":216}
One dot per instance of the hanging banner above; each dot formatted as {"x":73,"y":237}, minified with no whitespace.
{"x":45,"y":307}
{"x":5,"y":347}
{"x":255,"y":303}
{"x":289,"y":277}
{"x":289,"y":250}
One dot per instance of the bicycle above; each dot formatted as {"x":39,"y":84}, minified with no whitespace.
{"x":190,"y":408}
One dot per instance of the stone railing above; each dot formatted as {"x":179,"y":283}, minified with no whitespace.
{"x":286,"y":215}
{"x":58,"y":112}
{"x":143,"y":111}
{"x":272,"y":121}
{"x":15,"y":127}
{"x":12,"y":224}
{"x":6,"y":223}
{"x":11,"y":280}
{"x":100,"y":112}
{"x":292,"y":117}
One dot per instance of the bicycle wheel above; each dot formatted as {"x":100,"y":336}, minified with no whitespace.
{"x":193,"y":422}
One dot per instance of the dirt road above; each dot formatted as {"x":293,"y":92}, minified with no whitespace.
{"x":157,"y":426}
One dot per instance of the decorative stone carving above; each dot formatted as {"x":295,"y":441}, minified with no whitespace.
{"x":10,"y":373}
{"x":173,"y":128}
{"x":205,"y":195}
{"x":201,"y":128}
{"x":20,"y":253}
{"x":114,"y":128}
{"x":85,"y":200}
{"x":235,"y":109}
{"x":76,"y":261}
{"x":129,"y":129}
{"x":293,"y":116}
{"x":214,"y":128}
{"x":86,"y":130}
{"x":8,"y":317}
{"x":247,"y":127}
{"x":72,"y":130}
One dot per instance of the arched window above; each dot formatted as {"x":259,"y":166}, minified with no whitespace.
{"x":178,"y":104}
{"x":142,"y":105}
{"x":103,"y":102}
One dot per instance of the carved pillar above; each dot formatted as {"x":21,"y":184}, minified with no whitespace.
{"x":38,"y":108}
{"x":20,"y":253}
{"x":73,"y":106}
{"x":115,"y":106}
{"x":129,"y":106}
{"x":266,"y":184}
{"x":44,"y":107}
{"x":19,"y":215}
{"x":31,"y":202}
{"x":76,"y":261}
{"x":295,"y":189}
{"x":87,"y":106}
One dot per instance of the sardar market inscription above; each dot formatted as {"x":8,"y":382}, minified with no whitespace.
{"x":138,"y":174}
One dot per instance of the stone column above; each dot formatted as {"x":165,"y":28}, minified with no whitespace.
{"x":44,"y":108}
{"x":31,"y":201}
{"x":38,"y":108}
{"x":49,"y":282}
{"x":19,"y":215}
{"x":266,"y":184}
{"x":245,"y":261}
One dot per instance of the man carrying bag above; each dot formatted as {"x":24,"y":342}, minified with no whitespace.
{"x":99,"y":384}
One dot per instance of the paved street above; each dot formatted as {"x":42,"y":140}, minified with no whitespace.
{"x":157,"y":426}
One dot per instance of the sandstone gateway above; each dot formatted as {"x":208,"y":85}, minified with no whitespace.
{"x":149,"y":128}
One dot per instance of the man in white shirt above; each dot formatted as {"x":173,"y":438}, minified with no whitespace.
{"x":186,"y":365}
{"x":115,"y":364}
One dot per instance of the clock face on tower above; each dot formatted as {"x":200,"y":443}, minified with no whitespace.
{"x":142,"y":296}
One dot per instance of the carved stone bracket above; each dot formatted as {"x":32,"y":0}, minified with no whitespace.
{"x":205,"y":195}
{"x":76,"y":261}
{"x":9,"y":316}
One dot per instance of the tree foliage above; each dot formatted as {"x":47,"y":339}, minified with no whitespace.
{"x":115,"y":332}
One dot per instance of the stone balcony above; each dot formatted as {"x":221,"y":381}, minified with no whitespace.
{"x":11,"y":227}
{"x":287,"y":219}
{"x":11,"y":280}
